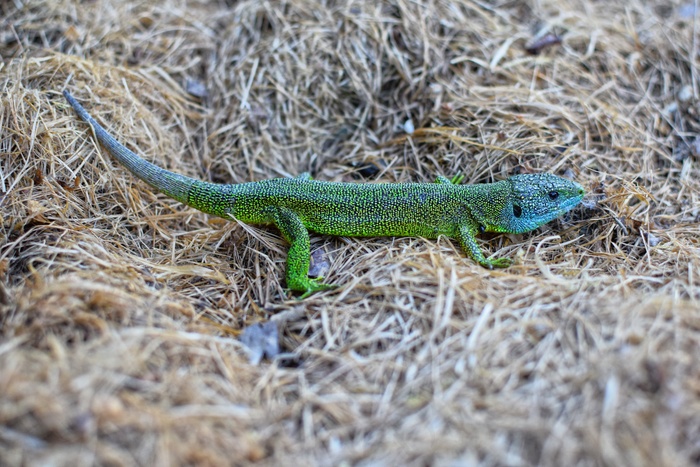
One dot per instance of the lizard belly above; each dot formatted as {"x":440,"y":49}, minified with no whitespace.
{"x":374,"y":224}
{"x":355,"y":210}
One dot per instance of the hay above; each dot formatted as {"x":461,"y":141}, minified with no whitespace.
{"x":119,"y":307}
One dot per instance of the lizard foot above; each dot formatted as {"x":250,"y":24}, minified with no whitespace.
{"x":309,"y":286}
{"x":497,"y":263}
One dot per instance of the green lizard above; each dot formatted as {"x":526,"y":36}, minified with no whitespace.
{"x":298,"y":205}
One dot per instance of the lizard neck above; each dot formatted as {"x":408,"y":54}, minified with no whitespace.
{"x":486,"y":202}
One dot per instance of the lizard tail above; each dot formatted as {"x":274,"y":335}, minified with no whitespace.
{"x":174,"y":185}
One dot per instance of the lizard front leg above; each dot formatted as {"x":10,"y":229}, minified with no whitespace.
{"x":299,"y":255}
{"x":456,"y":180}
{"x":466,"y":234}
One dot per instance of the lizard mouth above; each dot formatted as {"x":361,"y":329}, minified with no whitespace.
{"x":565,"y":207}
{"x":569,"y":204}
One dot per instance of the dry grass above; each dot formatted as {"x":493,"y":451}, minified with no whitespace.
{"x":119,"y":307}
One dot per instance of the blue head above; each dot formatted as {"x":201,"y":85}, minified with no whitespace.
{"x":535,"y":199}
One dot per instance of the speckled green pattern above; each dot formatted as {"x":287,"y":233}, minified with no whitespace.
{"x":298,"y":205}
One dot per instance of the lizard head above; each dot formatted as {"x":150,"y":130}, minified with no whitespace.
{"x":535,"y":199}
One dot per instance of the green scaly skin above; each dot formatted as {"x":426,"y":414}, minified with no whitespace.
{"x":299,"y":205}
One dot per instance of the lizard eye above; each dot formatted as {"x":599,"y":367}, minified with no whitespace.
{"x":517,"y":210}
{"x":553,"y":195}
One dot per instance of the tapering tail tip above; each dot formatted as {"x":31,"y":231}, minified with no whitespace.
{"x":174,"y":185}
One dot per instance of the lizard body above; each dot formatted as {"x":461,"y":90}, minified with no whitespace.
{"x":298,"y":205}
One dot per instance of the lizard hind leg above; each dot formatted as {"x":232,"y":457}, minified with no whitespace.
{"x":299,"y":255}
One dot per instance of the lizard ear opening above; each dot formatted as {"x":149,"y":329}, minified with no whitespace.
{"x":517,"y":211}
